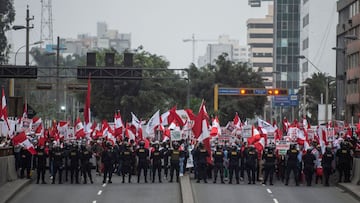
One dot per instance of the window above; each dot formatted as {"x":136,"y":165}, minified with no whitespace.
{"x":261,"y":35}
{"x":305,"y":44}
{"x":306,"y":20}
{"x":284,"y":25}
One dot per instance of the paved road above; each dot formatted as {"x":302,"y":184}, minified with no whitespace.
{"x":279,"y":193}
{"x":99,"y":193}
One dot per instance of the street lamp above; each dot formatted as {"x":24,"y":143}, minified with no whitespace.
{"x":32,"y":44}
{"x":326,"y":87}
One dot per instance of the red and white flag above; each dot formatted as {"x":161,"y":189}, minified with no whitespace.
{"x":135,"y":121}
{"x":237,"y":121}
{"x":119,"y":125}
{"x":215,"y":128}
{"x":129,"y":133}
{"x":4,"y":114}
{"x":79,"y":129}
{"x":171,"y":115}
{"x":22,"y":140}
{"x":62,"y":128}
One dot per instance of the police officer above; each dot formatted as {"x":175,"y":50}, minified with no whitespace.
{"x":108,"y":159}
{"x":85,"y":156}
{"x":326,"y":164}
{"x":174,"y":161}
{"x":143,"y":158}
{"x":269,"y":165}
{"x":165,"y":155}
{"x":309,"y":165}
{"x":57,"y":156}
{"x":127,"y":159}
{"x":251,"y":156}
{"x":156,"y":157}
{"x":67,"y":160}
{"x":234,"y":158}
{"x":219,"y":163}
{"x":25,"y":162}
{"x":201,"y":155}
{"x":40,"y":163}
{"x":343,"y":161}
{"x":292,"y":164}
{"x":74,"y":157}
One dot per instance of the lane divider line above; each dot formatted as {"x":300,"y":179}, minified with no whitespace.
{"x":275,"y":200}
{"x":268,"y":190}
{"x":99,"y":193}
{"x":104,"y":185}
{"x":94,"y":201}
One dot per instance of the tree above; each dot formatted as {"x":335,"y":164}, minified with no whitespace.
{"x":7,"y":16}
{"x":317,"y":82}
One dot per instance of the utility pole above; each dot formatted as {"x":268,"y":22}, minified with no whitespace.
{"x":28,"y":19}
{"x":58,"y":49}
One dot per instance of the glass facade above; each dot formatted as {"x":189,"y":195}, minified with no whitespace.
{"x":287,"y":43}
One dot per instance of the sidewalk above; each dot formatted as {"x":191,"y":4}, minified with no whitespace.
{"x":351,"y":188}
{"x":9,"y":189}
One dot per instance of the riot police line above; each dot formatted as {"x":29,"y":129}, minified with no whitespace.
{"x":73,"y":162}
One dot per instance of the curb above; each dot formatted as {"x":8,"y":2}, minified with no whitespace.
{"x":15,"y":189}
{"x":349,"y":190}
{"x":187,"y":195}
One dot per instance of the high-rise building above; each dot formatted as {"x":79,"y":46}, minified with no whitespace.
{"x":260,"y":40}
{"x":347,"y":60}
{"x":231,"y":47}
{"x":287,"y":44}
{"x":101,"y":29}
{"x":317,"y":37}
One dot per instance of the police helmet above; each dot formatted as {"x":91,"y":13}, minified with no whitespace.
{"x":141,"y":143}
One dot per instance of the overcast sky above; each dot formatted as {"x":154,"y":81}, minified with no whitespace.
{"x":158,"y":25}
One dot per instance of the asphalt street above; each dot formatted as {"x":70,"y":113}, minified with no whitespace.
{"x":258,"y":193}
{"x":101,"y":193}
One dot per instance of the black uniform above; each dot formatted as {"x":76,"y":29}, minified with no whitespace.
{"x":57,"y":155}
{"x":174,"y":163}
{"x":219,"y":164}
{"x":201,"y":155}
{"x":25,"y":162}
{"x":85,"y":156}
{"x":234,"y":158}
{"x":309,"y":165}
{"x":343,"y":161}
{"x":40,"y":164}
{"x":326,"y":164}
{"x":127,"y":159}
{"x":251,"y":163}
{"x":108,"y":159}
{"x":67,"y":161}
{"x":74,"y":157}
{"x":156,"y":157}
{"x":269,"y":165}
{"x":165,"y":155}
{"x":292,"y":165}
{"x":143,"y":161}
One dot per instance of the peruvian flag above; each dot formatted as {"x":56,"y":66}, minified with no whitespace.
{"x":39,"y":131}
{"x":4,"y":114}
{"x":24,"y":116}
{"x":22,"y":140}
{"x":265,"y":125}
{"x":260,"y":145}
{"x":201,"y":130}
{"x":119,"y":125}
{"x":190,"y":114}
{"x":285,"y":124}
{"x":129,"y":133}
{"x":255,"y":136}
{"x":79,"y":129}
{"x":153,"y":122}
{"x":306,"y":124}
{"x":108,"y":132}
{"x":62,"y":128}
{"x":237,"y":121}
{"x":87,"y":114}
{"x":171,"y":115}
{"x":215,"y":128}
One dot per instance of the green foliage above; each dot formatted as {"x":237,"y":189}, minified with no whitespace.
{"x":7,"y":16}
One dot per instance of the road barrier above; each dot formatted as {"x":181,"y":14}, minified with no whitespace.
{"x":355,"y":179}
{"x":7,"y":169}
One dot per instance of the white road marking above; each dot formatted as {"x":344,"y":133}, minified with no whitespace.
{"x":104,"y":185}
{"x":275,"y":200}
{"x":268,"y":190}
{"x":94,"y":201}
{"x":100,"y":191}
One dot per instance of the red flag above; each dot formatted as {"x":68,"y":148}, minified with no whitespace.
{"x":22,"y":140}
{"x":237,"y":121}
{"x":79,"y":129}
{"x":87,"y":105}
{"x":4,"y":114}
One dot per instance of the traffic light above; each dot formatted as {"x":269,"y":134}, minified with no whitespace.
{"x":246,"y":91}
{"x":277,"y":92}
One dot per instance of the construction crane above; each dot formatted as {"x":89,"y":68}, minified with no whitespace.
{"x":194,"y":40}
